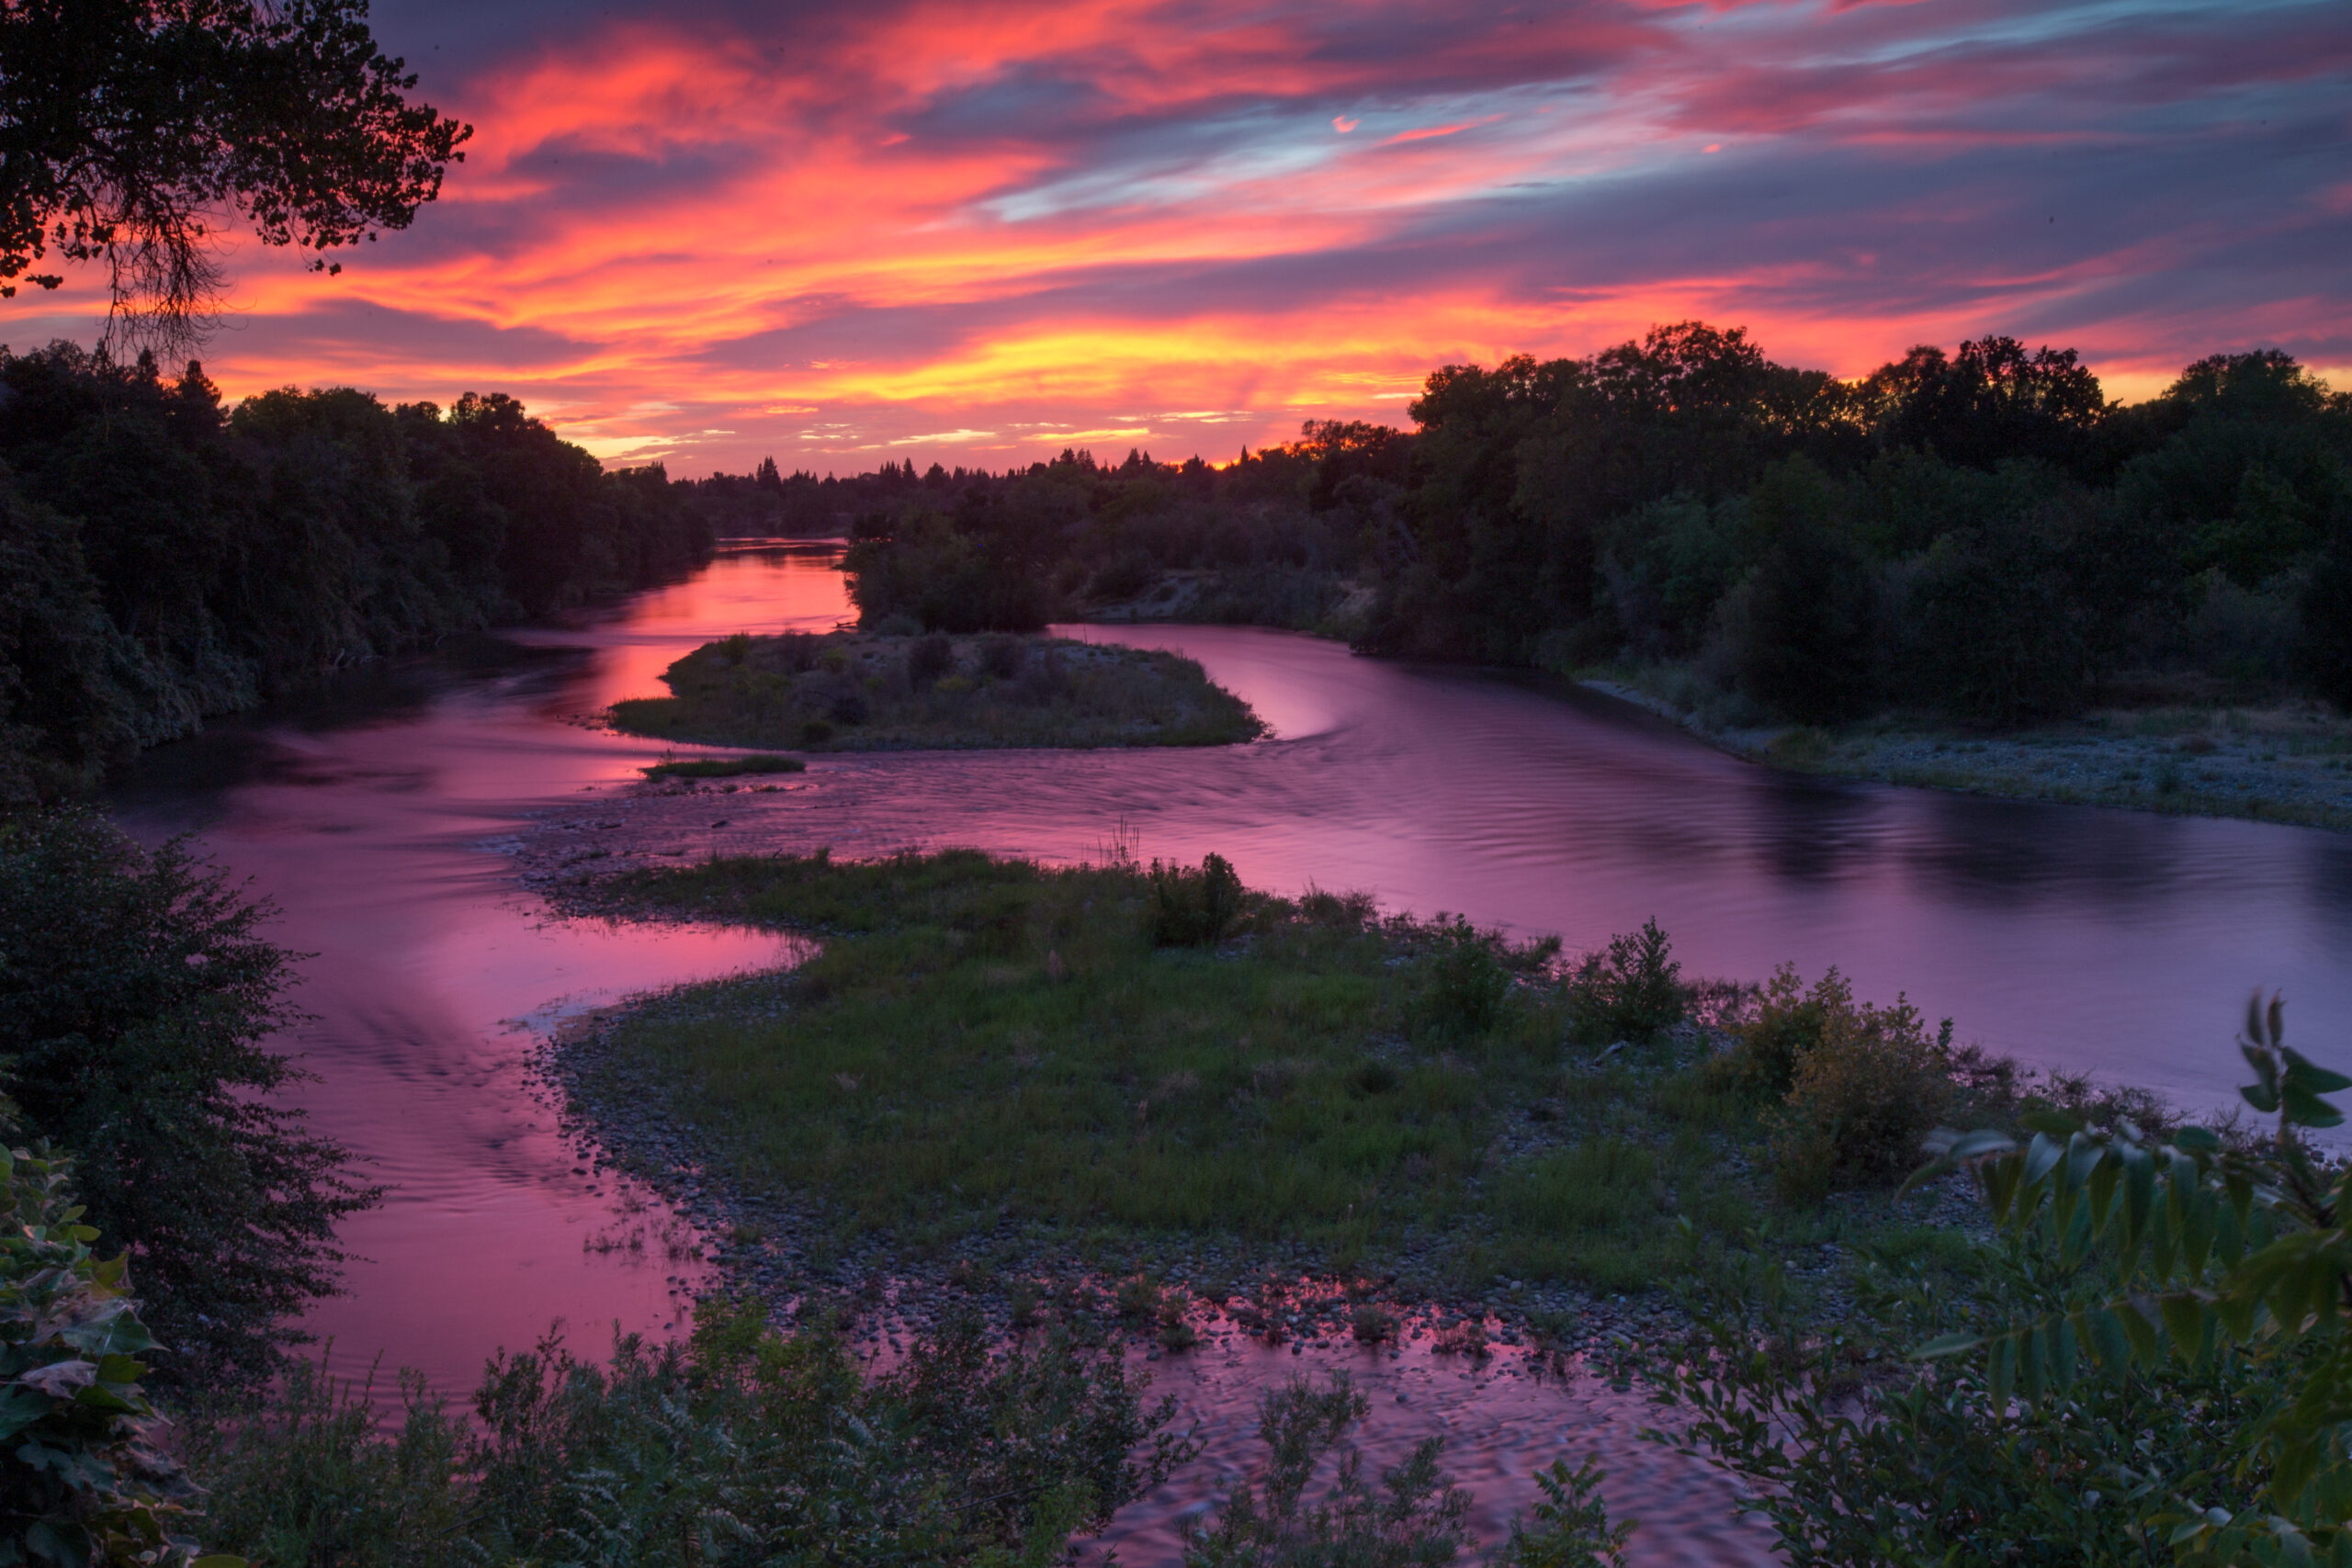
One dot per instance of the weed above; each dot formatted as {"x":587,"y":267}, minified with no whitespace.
{"x":1467,"y":987}
{"x":1631,"y":990}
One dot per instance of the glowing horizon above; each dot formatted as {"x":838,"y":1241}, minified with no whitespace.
{"x":977,"y":234}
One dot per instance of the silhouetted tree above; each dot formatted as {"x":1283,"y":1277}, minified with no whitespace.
{"x":129,"y":126}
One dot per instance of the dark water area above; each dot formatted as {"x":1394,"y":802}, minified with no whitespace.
{"x":375,"y":816}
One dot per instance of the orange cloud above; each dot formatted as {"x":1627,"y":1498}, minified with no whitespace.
{"x":1003,"y":228}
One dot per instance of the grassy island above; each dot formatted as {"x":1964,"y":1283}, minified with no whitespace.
{"x":863,"y":692}
{"x":1108,"y":1057}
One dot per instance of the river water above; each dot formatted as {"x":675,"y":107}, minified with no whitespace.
{"x":2111,"y":941}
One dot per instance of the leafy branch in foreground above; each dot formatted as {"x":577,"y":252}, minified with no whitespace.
{"x":2190,"y":1250}
{"x":83,"y":1480}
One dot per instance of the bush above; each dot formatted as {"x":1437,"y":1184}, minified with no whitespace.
{"x":744,"y":1446}
{"x":929,"y":657}
{"x":1864,"y":1084}
{"x":1193,"y":908}
{"x":1002,"y":656}
{"x":1466,"y":983}
{"x":1787,"y":1021}
{"x":84,"y":1480}
{"x":136,"y":999}
{"x":1632,"y":990}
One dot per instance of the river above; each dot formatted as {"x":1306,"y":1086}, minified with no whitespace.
{"x":374,"y":816}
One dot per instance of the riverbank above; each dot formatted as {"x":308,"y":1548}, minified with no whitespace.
{"x":2288,"y":761}
{"x":990,"y":1085}
{"x":865,"y":692}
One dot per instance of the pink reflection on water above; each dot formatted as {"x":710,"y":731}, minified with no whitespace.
{"x":432,"y":976}
{"x":1502,"y":1420}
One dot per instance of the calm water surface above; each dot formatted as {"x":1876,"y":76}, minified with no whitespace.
{"x":2112,"y":942}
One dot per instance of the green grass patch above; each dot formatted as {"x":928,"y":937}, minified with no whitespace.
{"x":853,"y":691}
{"x":978,"y":1039}
{"x":723,"y":767}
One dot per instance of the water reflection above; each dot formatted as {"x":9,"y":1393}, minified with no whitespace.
{"x":373,"y":814}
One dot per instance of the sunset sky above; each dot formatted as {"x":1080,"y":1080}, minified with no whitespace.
{"x":842,"y":233}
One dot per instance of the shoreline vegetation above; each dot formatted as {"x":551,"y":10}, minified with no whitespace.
{"x":869,"y":692}
{"x":1175,"y":1102}
{"x":2284,"y":761}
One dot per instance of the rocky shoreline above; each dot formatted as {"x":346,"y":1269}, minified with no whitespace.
{"x":2289,"y":763}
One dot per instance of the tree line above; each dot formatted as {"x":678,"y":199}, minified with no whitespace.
{"x":1980,"y":534}
{"x":164,"y":560}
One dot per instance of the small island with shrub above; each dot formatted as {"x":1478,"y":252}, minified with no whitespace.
{"x":848,"y":690}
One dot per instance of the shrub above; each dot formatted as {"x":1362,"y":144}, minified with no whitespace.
{"x":1788,"y":1022}
{"x":1126,"y":575}
{"x":83,"y":1480}
{"x":1002,"y":656}
{"x":1193,"y":908}
{"x":136,"y":999}
{"x":1632,"y":990}
{"x":745,"y":1445}
{"x":1865,"y":1089}
{"x":929,"y":657}
{"x":1466,"y":983}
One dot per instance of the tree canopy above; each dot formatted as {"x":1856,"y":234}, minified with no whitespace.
{"x":130,"y":128}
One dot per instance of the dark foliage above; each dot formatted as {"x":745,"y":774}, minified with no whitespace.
{"x":85,"y":1481}
{"x":167,"y":561}
{"x":1194,"y":907}
{"x":744,"y":1446}
{"x":1977,"y":533}
{"x":123,"y":123}
{"x":135,"y":999}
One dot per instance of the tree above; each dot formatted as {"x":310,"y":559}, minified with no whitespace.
{"x":135,"y":1000}
{"x":127,"y":127}
{"x":1805,"y":623}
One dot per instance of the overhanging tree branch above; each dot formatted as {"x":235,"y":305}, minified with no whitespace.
{"x":131,"y":129}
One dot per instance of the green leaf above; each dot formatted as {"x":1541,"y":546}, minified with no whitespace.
{"x":2184,"y":1320}
{"x":2002,"y":1369}
{"x":2107,"y":1339}
{"x":2042,"y":1157}
{"x":2061,"y":1352}
{"x":2311,"y":1075}
{"x":1948,"y":1345}
{"x":2305,"y":1108}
